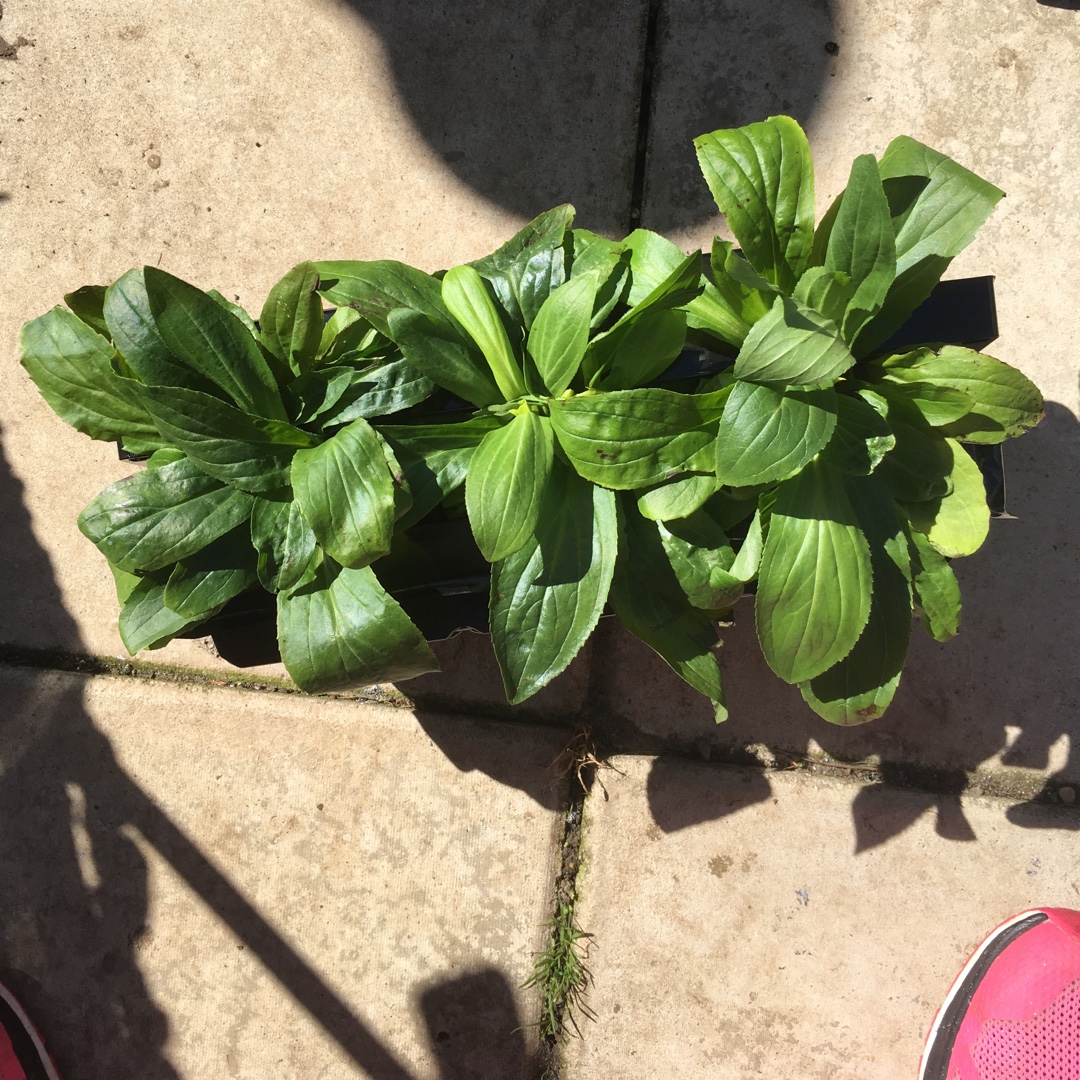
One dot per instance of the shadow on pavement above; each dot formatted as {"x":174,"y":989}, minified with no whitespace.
{"x":1006,"y":686}
{"x":74,"y":904}
{"x":680,"y":797}
{"x":534,"y":104}
{"x":474,"y":1028}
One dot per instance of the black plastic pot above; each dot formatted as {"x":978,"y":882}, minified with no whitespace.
{"x":438,"y":575}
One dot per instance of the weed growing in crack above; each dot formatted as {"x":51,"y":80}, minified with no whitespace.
{"x":562,"y":977}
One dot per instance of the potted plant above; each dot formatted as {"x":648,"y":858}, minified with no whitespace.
{"x":526,"y":394}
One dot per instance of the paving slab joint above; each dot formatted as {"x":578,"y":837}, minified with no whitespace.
{"x":89,"y":664}
{"x":560,"y":971}
{"x":645,"y":109}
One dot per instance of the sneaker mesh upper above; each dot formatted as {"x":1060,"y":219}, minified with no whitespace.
{"x":1046,"y":1047}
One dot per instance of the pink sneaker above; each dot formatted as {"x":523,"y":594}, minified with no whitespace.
{"x":22,"y":1053}
{"x":1013,"y":1013}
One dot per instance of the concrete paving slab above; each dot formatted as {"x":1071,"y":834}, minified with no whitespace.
{"x":745,"y":927}
{"x":227,"y":144}
{"x":724,"y":64}
{"x":994,"y":87}
{"x":203,"y":883}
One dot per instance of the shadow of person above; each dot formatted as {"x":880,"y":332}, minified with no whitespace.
{"x":73,"y":894}
{"x":474,"y":1028}
{"x":535,"y":104}
{"x":73,"y":900}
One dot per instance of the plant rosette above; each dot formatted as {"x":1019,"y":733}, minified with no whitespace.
{"x":522,"y":391}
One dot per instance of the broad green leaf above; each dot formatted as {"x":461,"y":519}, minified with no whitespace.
{"x":794,"y":345}
{"x":145,"y":621}
{"x":132,"y":328}
{"x":652,"y":605}
{"x":740,"y":290}
{"x":828,"y":292}
{"x":609,"y":262}
{"x":860,"y":686}
{"x":936,"y":206}
{"x":141,"y":445}
{"x":634,"y":438}
{"x":919,"y":464}
{"x":159,"y":516}
{"x":434,"y":459}
{"x":653,"y":259}
{"x":701,"y":555}
{"x":88,"y":303}
{"x":428,"y":439}
{"x":547,"y":597}
{"x":862,"y":436}
{"x":762,"y":179}
{"x":508,"y":475}
{"x":234,"y":309}
{"x":346,"y":493}
{"x":956,"y":523}
{"x":861,"y":245}
{"x":284,"y":541}
{"x":638,"y":352}
{"x":770,"y":432}
{"x":249,"y":451}
{"x":192,"y":593}
{"x":359,"y":343}
{"x":1004,"y":401}
{"x":595,"y":254}
{"x":165,"y":456}
{"x":734,"y":264}
{"x":342,"y":630}
{"x":213,"y":342}
{"x":625,"y":340}
{"x":939,"y":406}
{"x":317,"y":392}
{"x":376,"y":391}
{"x":660,"y":284}
{"x":71,"y":365}
{"x":676,"y":498}
{"x":213,"y":576}
{"x":748,"y":560}
{"x":560,"y":332}
{"x":125,"y":583}
{"x":814,"y":582}
{"x":466,"y":298}
{"x":937,"y":592}
{"x":342,"y":319}
{"x":525,"y":270}
{"x":376,"y":289}
{"x":439,"y":351}
{"x":291,"y":323}
{"x":430,"y":479}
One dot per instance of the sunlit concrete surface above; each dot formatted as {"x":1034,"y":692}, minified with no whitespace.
{"x":204,"y":883}
{"x":783,"y":925}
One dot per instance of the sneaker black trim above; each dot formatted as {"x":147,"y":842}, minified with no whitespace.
{"x":948,"y":1025}
{"x":22,"y":1042}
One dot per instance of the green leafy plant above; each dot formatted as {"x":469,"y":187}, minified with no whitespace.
{"x":864,"y":490}
{"x":534,"y":392}
{"x":264,"y":470}
{"x":553,"y":342}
